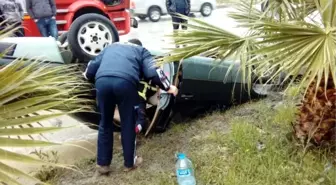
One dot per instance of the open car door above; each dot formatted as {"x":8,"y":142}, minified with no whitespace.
{"x":164,"y":109}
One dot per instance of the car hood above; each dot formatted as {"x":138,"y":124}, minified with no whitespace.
{"x":44,"y":48}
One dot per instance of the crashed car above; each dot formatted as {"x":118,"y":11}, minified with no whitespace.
{"x":201,"y":81}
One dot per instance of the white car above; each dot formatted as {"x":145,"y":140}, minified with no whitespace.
{"x":154,"y":9}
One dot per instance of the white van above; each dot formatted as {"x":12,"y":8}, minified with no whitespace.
{"x":154,"y":9}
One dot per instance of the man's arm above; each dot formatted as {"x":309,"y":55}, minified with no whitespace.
{"x":29,"y":9}
{"x":153,"y":73}
{"x":92,"y":67}
{"x":53,"y":7}
{"x":21,"y":10}
{"x":1,"y":15}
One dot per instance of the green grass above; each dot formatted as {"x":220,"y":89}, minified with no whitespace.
{"x":235,"y":159}
{"x":225,"y":149}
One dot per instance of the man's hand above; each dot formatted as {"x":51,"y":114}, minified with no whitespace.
{"x":35,"y":20}
{"x":173,"y":90}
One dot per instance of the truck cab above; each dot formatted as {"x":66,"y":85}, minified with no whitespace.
{"x":90,"y":24}
{"x":69,"y":10}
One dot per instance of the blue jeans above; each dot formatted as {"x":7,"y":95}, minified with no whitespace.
{"x":112,"y":91}
{"x":47,"y":27}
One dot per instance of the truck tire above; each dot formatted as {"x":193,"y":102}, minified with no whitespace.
{"x":142,"y":17}
{"x":154,"y":14}
{"x":89,"y":34}
{"x":206,"y":9}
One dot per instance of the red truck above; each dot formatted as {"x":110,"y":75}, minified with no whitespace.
{"x":89,"y":25}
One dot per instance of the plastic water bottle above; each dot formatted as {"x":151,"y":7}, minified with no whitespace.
{"x":184,"y":170}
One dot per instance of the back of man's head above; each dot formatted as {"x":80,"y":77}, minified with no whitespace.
{"x":135,"y":41}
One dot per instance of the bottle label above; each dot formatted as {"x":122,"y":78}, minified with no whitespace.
{"x":183,"y":172}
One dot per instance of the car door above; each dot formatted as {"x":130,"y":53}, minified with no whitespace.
{"x":163,"y":113}
{"x":195,"y":5}
{"x":204,"y":81}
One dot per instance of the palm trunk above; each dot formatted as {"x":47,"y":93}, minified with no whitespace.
{"x":317,"y":116}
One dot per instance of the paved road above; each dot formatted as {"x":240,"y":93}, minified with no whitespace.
{"x":153,"y":34}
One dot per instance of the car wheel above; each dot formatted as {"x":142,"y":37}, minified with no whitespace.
{"x":154,"y":14}
{"x":89,"y":34}
{"x":142,"y":17}
{"x":264,"y":77}
{"x":165,"y":117}
{"x":206,"y":9}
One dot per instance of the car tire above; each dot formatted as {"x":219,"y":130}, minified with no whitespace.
{"x":154,"y":14}
{"x":264,"y":78}
{"x":165,"y":117}
{"x":206,"y":9}
{"x":142,"y":17}
{"x":84,"y":44}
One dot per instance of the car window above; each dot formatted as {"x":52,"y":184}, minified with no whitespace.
{"x":7,"y":48}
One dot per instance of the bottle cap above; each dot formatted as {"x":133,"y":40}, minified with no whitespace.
{"x":181,"y":156}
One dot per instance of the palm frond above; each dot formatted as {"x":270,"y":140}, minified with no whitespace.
{"x":32,"y":91}
{"x":203,"y":37}
{"x":298,"y":48}
{"x":211,"y":41}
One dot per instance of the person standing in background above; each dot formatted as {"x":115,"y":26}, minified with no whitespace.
{"x":44,"y":14}
{"x":181,"y":7}
{"x":12,"y":14}
{"x":2,"y":19}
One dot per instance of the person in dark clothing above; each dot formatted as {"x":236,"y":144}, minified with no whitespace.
{"x":43,"y":12}
{"x":116,"y":72}
{"x":181,"y":7}
{"x":12,"y":14}
{"x":2,"y":19}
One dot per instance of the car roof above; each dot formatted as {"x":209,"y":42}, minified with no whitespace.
{"x":44,"y":48}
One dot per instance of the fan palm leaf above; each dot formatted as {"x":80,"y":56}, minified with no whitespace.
{"x":32,"y":91}
{"x":297,"y":38}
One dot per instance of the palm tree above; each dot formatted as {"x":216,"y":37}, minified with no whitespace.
{"x":32,"y":91}
{"x":293,"y":38}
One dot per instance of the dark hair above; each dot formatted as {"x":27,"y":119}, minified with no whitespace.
{"x":135,"y":41}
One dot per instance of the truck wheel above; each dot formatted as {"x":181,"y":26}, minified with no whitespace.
{"x":154,"y":14}
{"x":89,"y":34}
{"x":142,"y":17}
{"x":206,"y":10}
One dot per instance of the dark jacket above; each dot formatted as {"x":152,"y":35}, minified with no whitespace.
{"x":11,"y":10}
{"x":127,"y":61}
{"x":171,"y":6}
{"x":2,"y":26}
{"x":2,"y":19}
{"x":38,"y":9}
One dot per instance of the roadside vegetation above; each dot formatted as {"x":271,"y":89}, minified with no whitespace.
{"x":248,"y":144}
{"x":32,"y":91}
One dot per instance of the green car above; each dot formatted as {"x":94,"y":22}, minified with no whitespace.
{"x":201,"y":82}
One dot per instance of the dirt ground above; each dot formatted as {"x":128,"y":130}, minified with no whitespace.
{"x":159,"y":150}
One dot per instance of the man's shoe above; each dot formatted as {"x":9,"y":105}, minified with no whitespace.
{"x":103,"y":170}
{"x":138,"y":161}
